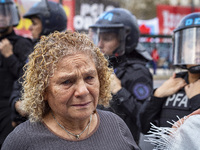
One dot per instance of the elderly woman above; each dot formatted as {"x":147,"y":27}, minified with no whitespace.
{"x":65,"y":78}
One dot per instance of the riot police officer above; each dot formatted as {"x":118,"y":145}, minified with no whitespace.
{"x":46,"y":17}
{"x":14,"y":51}
{"x":116,"y":32}
{"x":180,"y":94}
{"x":49,"y":16}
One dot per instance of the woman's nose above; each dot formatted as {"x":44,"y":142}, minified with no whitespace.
{"x":81,"y":89}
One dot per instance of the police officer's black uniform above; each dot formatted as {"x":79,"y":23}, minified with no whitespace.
{"x":160,"y":110}
{"x":186,"y":55}
{"x":129,"y":63}
{"x":10,"y":67}
{"x":10,"y":70}
{"x":137,"y":86}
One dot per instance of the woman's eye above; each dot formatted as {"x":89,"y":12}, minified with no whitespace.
{"x":67,"y":82}
{"x":89,"y":78}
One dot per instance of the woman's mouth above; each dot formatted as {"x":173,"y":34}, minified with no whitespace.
{"x":81,"y":105}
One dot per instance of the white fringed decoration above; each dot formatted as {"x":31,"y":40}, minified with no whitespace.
{"x":185,"y":137}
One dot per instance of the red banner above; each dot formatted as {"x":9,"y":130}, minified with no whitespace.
{"x":170,"y":16}
{"x":69,"y":7}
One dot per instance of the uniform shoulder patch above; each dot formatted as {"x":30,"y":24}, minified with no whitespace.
{"x":141,"y":91}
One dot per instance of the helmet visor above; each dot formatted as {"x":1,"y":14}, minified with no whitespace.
{"x":111,"y":41}
{"x":9,"y":15}
{"x":187,"y":46}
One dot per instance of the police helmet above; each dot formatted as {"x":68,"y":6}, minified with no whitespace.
{"x":124,"y":24}
{"x":186,"y":42}
{"x":51,"y":14}
{"x":9,"y":15}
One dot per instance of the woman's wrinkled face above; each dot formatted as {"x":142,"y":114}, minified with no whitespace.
{"x":73,"y":90}
{"x":36,"y":27}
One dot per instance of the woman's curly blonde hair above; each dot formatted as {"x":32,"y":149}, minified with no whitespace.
{"x":42,"y":63}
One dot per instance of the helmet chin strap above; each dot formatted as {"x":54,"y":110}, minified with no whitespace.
{"x":115,"y":52}
{"x":118,"y":52}
{"x":194,"y":69}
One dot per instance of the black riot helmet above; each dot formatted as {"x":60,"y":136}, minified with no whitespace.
{"x":186,"y":43}
{"x":9,"y":15}
{"x":51,"y":14}
{"x":124,"y":24}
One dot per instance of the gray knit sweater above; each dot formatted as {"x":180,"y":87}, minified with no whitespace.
{"x":110,"y":134}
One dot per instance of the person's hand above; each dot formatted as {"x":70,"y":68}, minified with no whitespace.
{"x":169,"y":87}
{"x":19,"y":109}
{"x":192,"y":89}
{"x":115,"y":84}
{"x":14,"y":124}
{"x":6,"y":48}
{"x":181,"y":121}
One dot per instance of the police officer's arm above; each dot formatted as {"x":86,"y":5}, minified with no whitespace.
{"x":123,"y":102}
{"x":14,"y":100}
{"x":17,"y":115}
{"x":121,"y":95}
{"x":150,"y":111}
{"x":17,"y":59}
{"x":137,"y":87}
